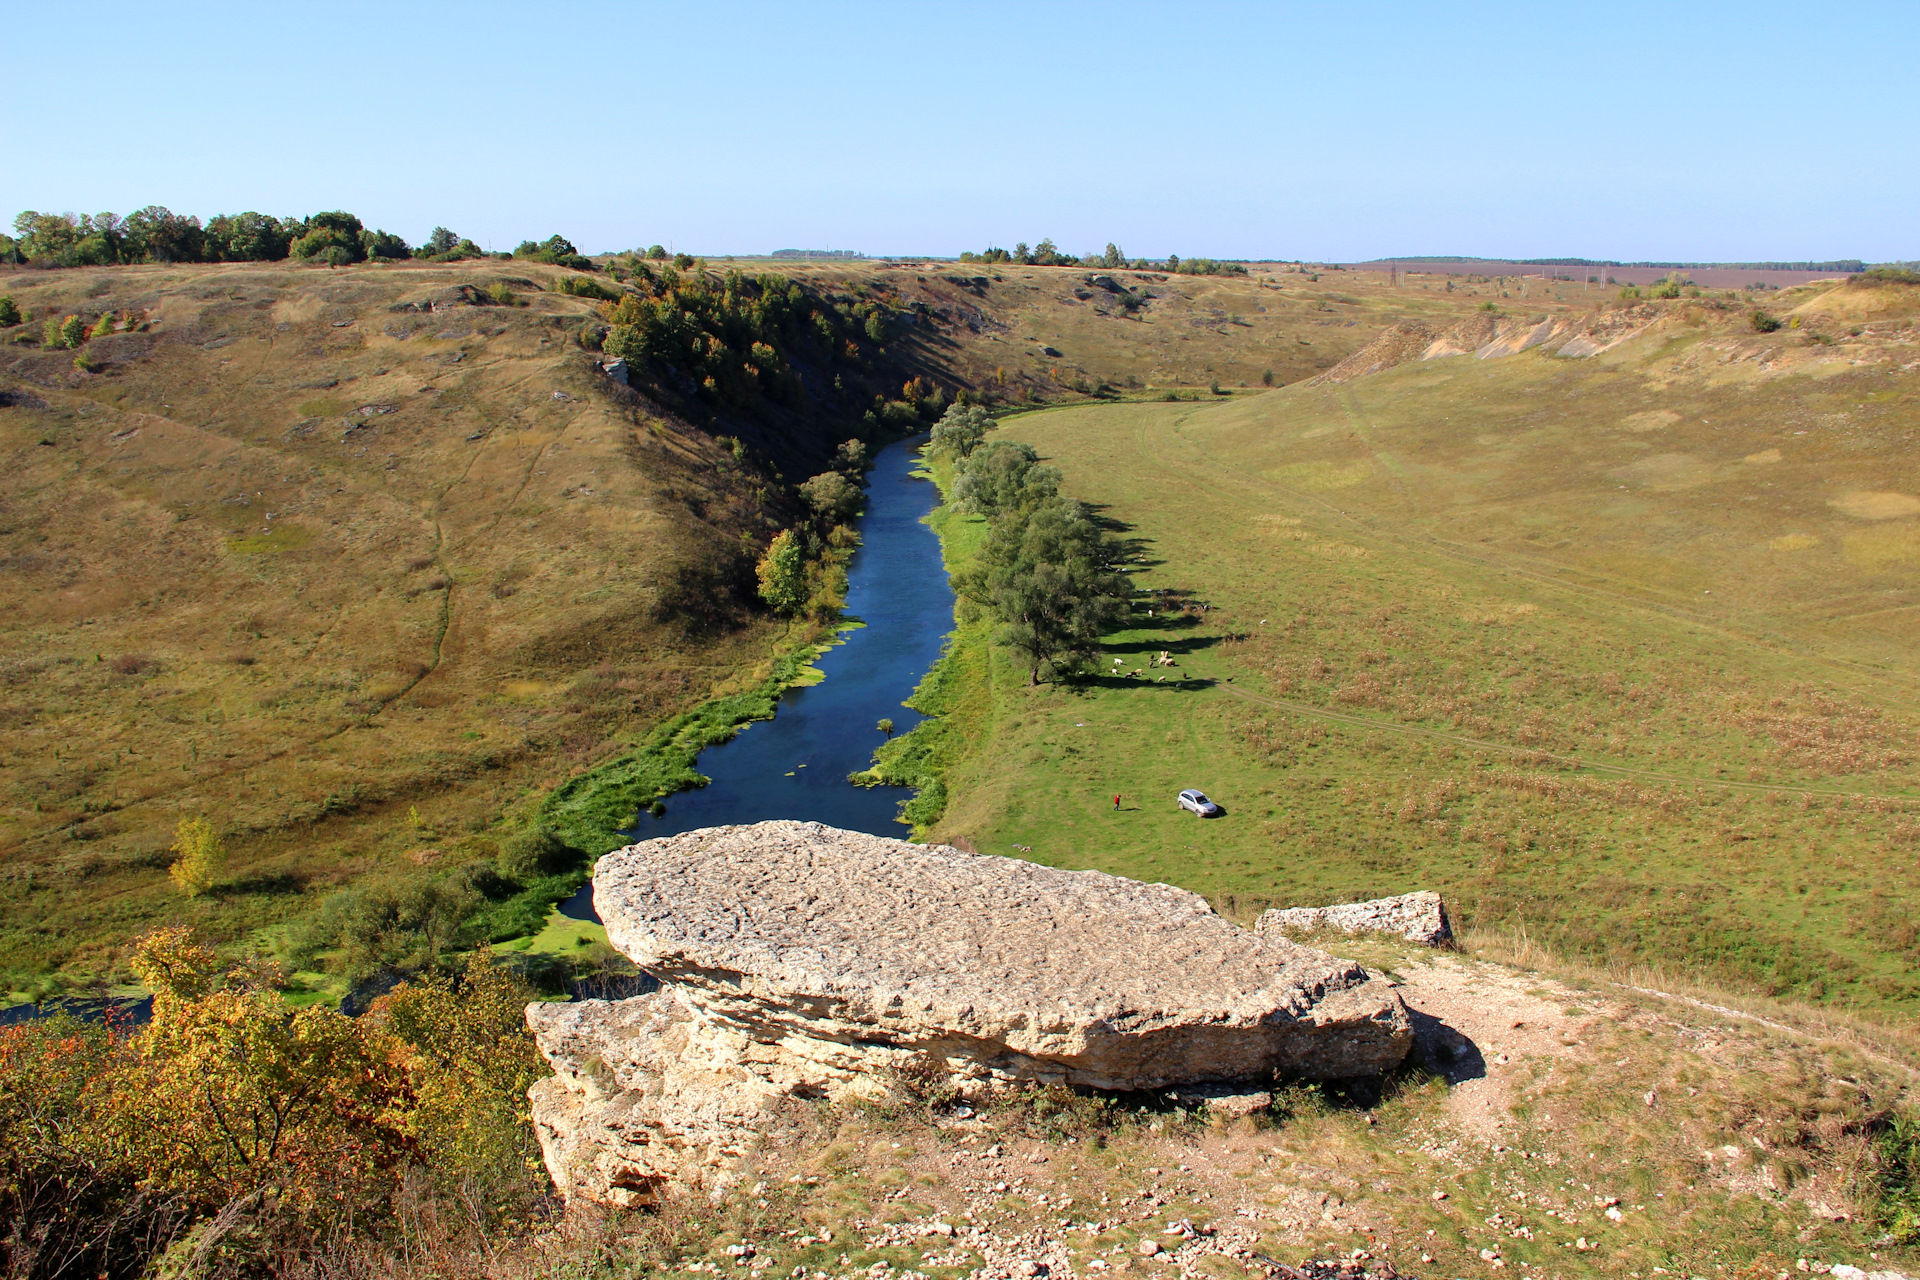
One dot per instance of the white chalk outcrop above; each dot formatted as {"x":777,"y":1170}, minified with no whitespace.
{"x":1418,"y":917}
{"x":799,"y":960}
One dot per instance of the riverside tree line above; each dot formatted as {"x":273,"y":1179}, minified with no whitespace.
{"x":1048,"y":574}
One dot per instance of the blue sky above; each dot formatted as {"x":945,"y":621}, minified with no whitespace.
{"x":1694,"y":131}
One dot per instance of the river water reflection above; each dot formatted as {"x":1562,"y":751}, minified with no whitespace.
{"x":796,"y":765}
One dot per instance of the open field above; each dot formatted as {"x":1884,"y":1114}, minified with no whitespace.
{"x":1615,"y":650}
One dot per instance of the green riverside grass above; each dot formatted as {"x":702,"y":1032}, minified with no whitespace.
{"x":1401,"y":683}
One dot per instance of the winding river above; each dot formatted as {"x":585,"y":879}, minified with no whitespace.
{"x":796,"y":764}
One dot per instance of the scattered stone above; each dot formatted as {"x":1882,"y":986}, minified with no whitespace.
{"x":1147,"y":1248}
{"x":1419,"y":917}
{"x":1224,"y":1102}
{"x":799,"y":960}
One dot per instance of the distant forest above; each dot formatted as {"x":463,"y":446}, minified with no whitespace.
{"x":1047,"y":254}
{"x":157,"y":234}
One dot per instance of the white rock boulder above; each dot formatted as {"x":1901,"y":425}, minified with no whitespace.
{"x":799,"y":960}
{"x":1418,"y":917}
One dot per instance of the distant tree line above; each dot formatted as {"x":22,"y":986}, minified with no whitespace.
{"x":1047,"y":573}
{"x":1112,"y":258}
{"x":157,"y":234}
{"x":1838,"y":265}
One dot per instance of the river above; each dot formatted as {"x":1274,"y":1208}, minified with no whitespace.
{"x":796,"y":764}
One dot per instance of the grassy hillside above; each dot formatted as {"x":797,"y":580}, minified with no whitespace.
{"x":1615,"y":650}
{"x":347,"y":576}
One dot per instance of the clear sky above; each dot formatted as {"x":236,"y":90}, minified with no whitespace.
{"x":1333,"y":130}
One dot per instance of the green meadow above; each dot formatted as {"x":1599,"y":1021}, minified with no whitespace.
{"x":1616,"y":653}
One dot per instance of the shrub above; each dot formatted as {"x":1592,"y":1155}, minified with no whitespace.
{"x":66,"y":333}
{"x":500,"y":295}
{"x":586,"y":287}
{"x":407,"y":925}
{"x":538,"y":852}
{"x":1898,"y":1156}
{"x":1875,"y":276}
{"x":9,"y":312}
{"x":1764,"y":323}
{"x":556,"y":250}
{"x":229,"y":1131}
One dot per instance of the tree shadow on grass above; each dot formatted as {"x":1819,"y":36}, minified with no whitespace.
{"x":1176,"y":645}
{"x":275,"y":885}
{"x":1097,"y":681}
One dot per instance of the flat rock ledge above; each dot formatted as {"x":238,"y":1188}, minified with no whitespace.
{"x":797,"y":960}
{"x":1418,"y":917}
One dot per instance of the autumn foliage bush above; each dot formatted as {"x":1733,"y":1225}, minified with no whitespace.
{"x":232,"y":1128}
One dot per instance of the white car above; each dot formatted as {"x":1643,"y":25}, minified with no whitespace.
{"x":1197,"y":802}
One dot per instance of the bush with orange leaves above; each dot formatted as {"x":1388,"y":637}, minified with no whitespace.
{"x":230,"y":1123}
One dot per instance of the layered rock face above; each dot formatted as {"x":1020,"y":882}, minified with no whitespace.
{"x":1418,"y":917}
{"x":798,"y":960}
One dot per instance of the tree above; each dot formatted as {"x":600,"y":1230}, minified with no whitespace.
{"x":1113,"y":257}
{"x":158,"y":233}
{"x":960,"y":430}
{"x":384,"y":244}
{"x":851,"y":457}
{"x":834,"y":498}
{"x":877,"y":325}
{"x":783,"y":575}
{"x":1047,"y":254}
{"x":1002,"y":477}
{"x":198,"y":857}
{"x":249,"y":237}
{"x":1046,"y":573}
{"x":1022,"y":254}
{"x":333,"y":237}
{"x":885,"y":726}
{"x":9,"y":312}
{"x":657,"y":252}
{"x":439,"y":240}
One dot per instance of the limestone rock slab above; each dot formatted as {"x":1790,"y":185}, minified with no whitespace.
{"x":802,"y":961}
{"x":794,"y":931}
{"x":1419,"y":917}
